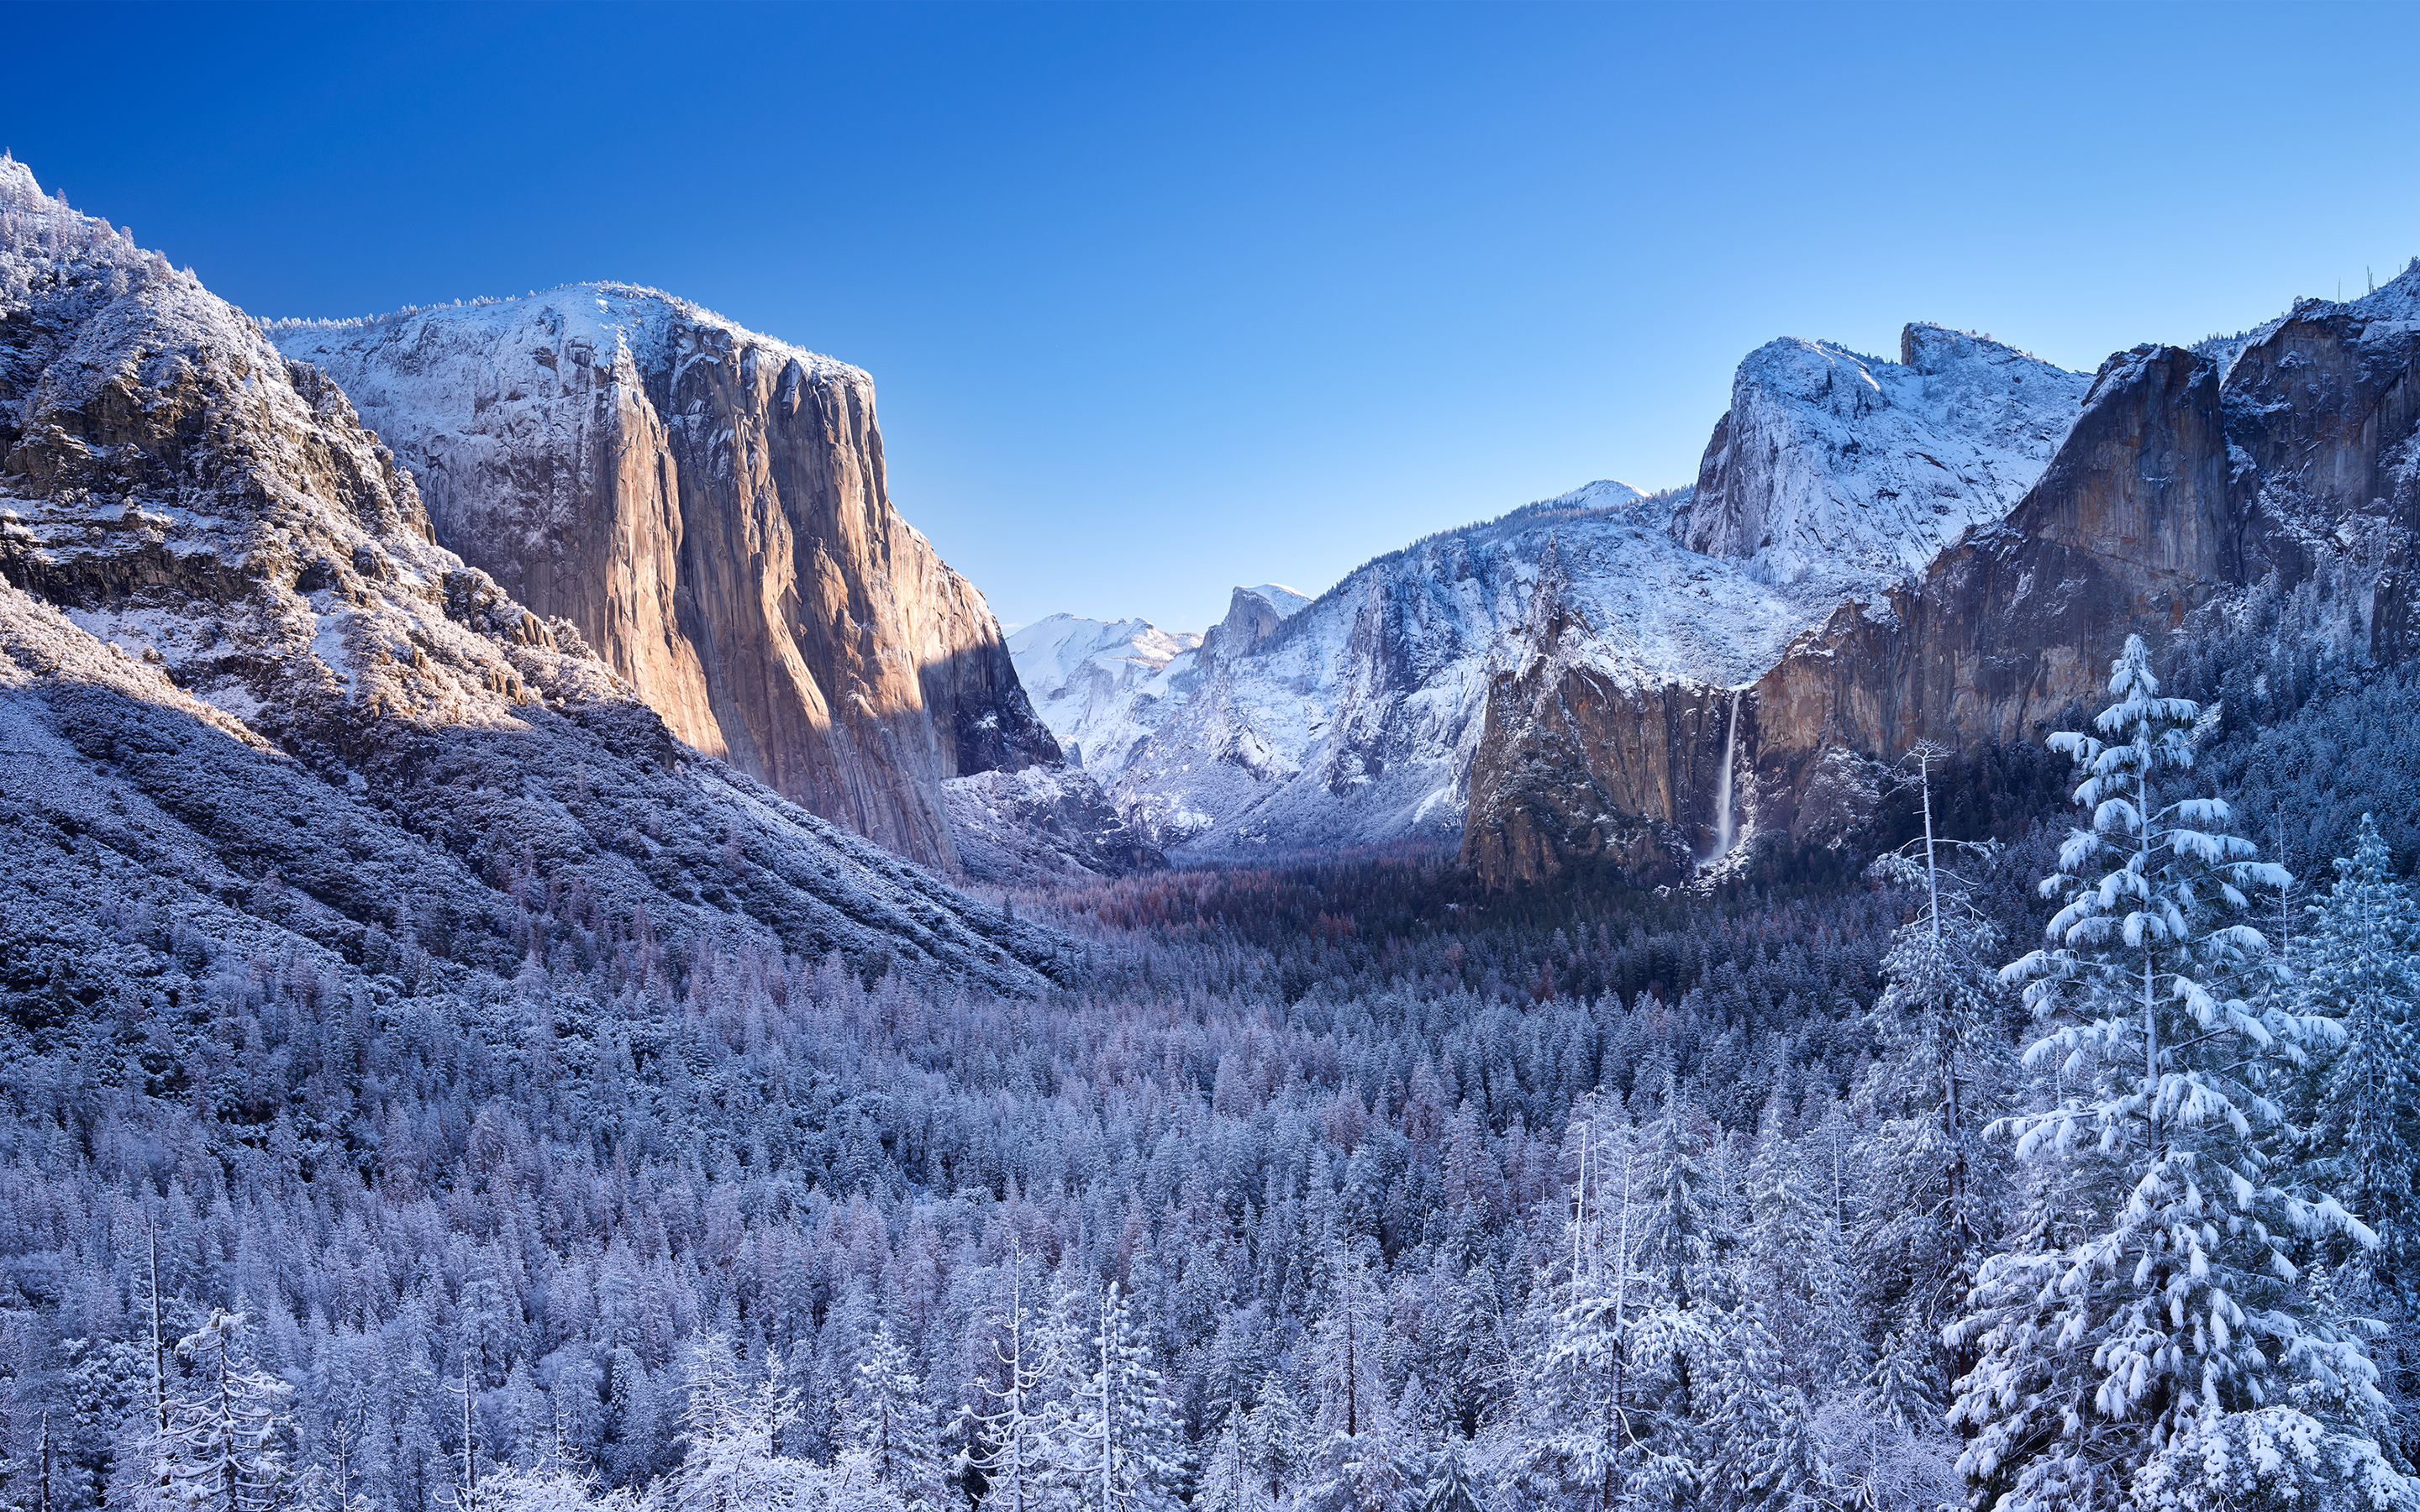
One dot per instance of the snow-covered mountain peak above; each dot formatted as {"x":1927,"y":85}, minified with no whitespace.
{"x":1279,"y":597}
{"x":574,"y":323}
{"x":1834,"y":465}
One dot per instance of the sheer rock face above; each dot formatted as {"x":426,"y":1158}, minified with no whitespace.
{"x":708,"y":506}
{"x":2187,"y":480}
{"x":235,"y":664}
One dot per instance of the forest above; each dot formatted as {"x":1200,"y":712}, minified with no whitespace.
{"x":2054,"y":1149}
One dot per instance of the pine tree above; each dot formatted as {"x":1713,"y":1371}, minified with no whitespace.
{"x":2146,"y":1336}
{"x":1229,"y":1480}
{"x":1010,"y":1445}
{"x":732,"y":1459}
{"x":1116,"y":1443}
{"x":2363,"y":970}
{"x":886,"y":1418}
{"x":225,"y":1446}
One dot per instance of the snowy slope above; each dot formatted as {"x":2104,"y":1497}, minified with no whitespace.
{"x":1837,"y":468}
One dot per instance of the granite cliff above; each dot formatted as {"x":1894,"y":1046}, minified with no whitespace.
{"x":710,"y":507}
{"x":2279,"y":462}
{"x":243,"y":688}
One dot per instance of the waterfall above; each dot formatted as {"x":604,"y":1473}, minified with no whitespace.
{"x":1724,"y":830}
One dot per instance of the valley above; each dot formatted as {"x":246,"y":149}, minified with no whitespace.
{"x":557,"y":955}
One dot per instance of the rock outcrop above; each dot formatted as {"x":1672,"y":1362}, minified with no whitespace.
{"x":240,"y":682}
{"x":708,"y":506}
{"x":1840,"y":467}
{"x":2281,"y":459}
{"x":1045,"y":824}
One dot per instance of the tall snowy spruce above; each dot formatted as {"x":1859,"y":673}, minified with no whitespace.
{"x":1944,"y":1070}
{"x":2362,"y":967}
{"x":2146,"y":1339}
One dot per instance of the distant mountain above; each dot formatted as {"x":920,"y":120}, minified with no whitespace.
{"x":1354,"y":717}
{"x":1085,"y":678}
{"x":243,"y":689}
{"x":1381,"y":710}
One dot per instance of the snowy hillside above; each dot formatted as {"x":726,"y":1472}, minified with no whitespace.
{"x":1836,"y":468}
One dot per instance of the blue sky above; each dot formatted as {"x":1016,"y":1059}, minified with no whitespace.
{"x":1162,"y":300}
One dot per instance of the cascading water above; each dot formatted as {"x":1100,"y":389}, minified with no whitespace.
{"x":1725,"y":832}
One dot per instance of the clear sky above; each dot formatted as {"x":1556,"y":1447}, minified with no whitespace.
{"x":1163,"y":300}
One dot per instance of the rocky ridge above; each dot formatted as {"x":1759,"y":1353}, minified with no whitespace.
{"x":242,"y":687}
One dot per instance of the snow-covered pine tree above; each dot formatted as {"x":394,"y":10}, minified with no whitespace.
{"x":2362,"y":968}
{"x":224,"y":1448}
{"x":1450,"y":1489}
{"x":886,"y":1418}
{"x":1360,"y":1449}
{"x":1009,"y":1446}
{"x":1228,"y":1482}
{"x":1275,"y":1444}
{"x":730,"y":1458}
{"x":2145,"y":1339}
{"x":1116,"y":1445}
{"x":1944,"y":1070}
{"x":1608,"y":1405}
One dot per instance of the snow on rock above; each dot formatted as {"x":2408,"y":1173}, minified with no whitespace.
{"x":1043,"y":824}
{"x":1835,"y":469}
{"x":239,"y":679}
{"x":710,"y":507}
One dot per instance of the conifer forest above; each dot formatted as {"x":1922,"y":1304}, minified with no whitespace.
{"x":2057,"y":1151}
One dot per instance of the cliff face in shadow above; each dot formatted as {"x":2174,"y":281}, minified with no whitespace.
{"x":710,"y":507}
{"x":2282,"y":460}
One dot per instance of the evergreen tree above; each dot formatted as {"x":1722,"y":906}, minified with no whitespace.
{"x":2146,"y":1336}
{"x":732,"y":1459}
{"x":886,"y":1418}
{"x":1010,"y":1444}
{"x":2362,"y":968}
{"x":225,"y":1446}
{"x":1117,"y":1448}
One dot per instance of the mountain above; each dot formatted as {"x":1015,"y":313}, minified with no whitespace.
{"x":1848,"y":469}
{"x":710,"y":507}
{"x":1085,"y":678}
{"x":2196,"y":490}
{"x":1352,"y":718}
{"x":249,"y":702}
